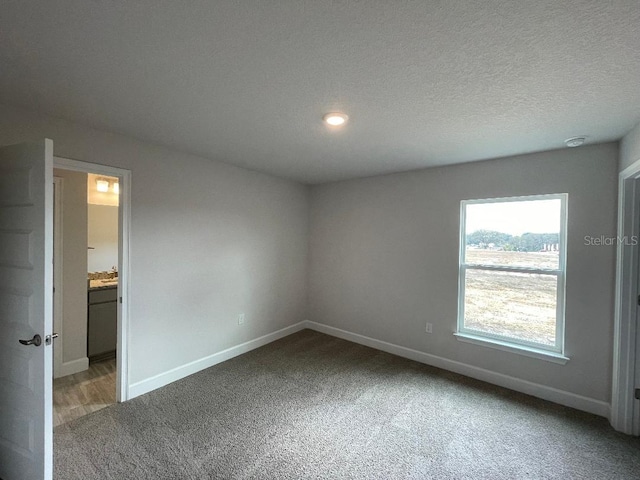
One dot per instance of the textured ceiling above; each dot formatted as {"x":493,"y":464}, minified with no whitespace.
{"x":424,"y":83}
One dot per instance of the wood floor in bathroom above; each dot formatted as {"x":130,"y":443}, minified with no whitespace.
{"x":82,"y":393}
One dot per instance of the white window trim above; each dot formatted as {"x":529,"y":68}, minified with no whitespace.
{"x":553,"y":353}
{"x":510,"y":347}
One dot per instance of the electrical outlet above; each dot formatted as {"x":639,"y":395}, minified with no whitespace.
{"x":240,"y":318}
{"x":429,"y":327}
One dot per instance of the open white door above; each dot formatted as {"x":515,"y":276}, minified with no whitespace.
{"x":26,"y":296}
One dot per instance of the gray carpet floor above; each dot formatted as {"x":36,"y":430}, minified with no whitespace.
{"x":314,"y":406}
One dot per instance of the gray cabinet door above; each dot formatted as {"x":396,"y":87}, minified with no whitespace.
{"x":102,"y":335}
{"x":100,"y":296}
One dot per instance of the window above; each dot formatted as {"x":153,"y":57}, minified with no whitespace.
{"x":512,"y":272}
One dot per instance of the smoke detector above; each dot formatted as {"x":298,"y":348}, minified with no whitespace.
{"x":575,"y":142}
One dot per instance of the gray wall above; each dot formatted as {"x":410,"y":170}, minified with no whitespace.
{"x":208,"y":241}
{"x":74,"y":265}
{"x":630,"y":148}
{"x":102,"y":234}
{"x":384,"y":259}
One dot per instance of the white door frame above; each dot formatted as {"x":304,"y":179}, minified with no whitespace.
{"x":57,"y":272}
{"x":625,"y":409}
{"x":124,"y":229}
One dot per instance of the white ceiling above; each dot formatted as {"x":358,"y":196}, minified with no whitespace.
{"x":425,"y":83}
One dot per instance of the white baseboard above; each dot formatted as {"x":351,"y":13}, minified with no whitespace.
{"x":562,"y":397}
{"x":160,"y":380}
{"x":74,"y":366}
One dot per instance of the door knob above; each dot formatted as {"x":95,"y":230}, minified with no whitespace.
{"x":36,"y":341}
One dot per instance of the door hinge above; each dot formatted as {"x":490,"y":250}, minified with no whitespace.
{"x":120,"y":299}
{"x":638,"y":299}
{"x":637,"y":394}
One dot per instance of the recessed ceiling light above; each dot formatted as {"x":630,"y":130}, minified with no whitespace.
{"x":575,"y":141}
{"x":335,"y":119}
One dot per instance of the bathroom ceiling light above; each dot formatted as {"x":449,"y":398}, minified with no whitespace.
{"x":102,"y":185}
{"x":575,"y":142}
{"x":335,"y":119}
{"x":116,"y":188}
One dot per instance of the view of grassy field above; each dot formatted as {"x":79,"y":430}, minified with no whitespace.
{"x":519,"y":305}
{"x":514,"y":259}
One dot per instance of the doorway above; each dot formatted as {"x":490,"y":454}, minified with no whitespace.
{"x":90,"y":356}
{"x":625,"y":401}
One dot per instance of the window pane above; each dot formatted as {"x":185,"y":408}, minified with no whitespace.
{"x":516,"y":305}
{"x":518,"y":233}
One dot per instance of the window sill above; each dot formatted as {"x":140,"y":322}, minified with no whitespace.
{"x":509,"y":347}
